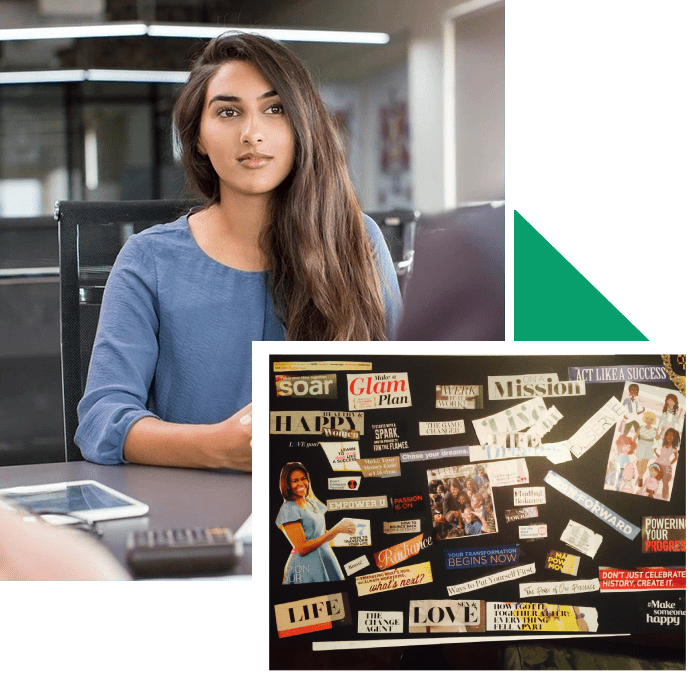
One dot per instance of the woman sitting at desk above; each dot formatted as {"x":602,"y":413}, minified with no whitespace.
{"x":302,"y":520}
{"x":279,"y":250}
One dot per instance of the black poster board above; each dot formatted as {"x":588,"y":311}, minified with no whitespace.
{"x":616,"y":611}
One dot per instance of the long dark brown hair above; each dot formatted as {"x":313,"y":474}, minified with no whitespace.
{"x":667,"y":408}
{"x":319,"y":258}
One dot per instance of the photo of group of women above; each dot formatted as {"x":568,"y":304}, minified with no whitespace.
{"x":461,"y":501}
{"x":646,"y":442}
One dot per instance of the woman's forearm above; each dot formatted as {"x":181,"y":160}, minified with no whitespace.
{"x":311,"y":545}
{"x":484,"y":524}
{"x":198,"y":446}
{"x":152,"y":441}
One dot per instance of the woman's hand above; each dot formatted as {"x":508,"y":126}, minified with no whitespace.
{"x":346,"y":526}
{"x":485,"y":528}
{"x":580,"y":620}
{"x":234,"y":441}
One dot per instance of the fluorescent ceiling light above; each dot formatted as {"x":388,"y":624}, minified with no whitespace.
{"x":191,"y":31}
{"x":286,"y":34}
{"x":131,"y":76}
{"x":104,"y":75}
{"x":91,"y":159}
{"x":86,"y":31}
{"x":18,"y":77}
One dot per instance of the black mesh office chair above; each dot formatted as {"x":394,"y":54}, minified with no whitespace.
{"x":90,"y":235}
{"x":398,"y":228}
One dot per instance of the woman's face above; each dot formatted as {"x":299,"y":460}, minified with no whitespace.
{"x":625,"y":448}
{"x":245,"y":132}
{"x":454,"y":491}
{"x":298,"y":483}
{"x":470,"y":485}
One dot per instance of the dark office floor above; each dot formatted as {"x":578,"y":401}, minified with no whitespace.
{"x":622,"y":653}
{"x":31,"y":410}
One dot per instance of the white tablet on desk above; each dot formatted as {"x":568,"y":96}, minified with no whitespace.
{"x":74,"y":501}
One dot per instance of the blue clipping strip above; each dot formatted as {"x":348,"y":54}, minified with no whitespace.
{"x":618,"y":523}
{"x":422,"y":455}
{"x":483,"y":556}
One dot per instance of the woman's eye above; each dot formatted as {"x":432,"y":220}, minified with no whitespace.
{"x":227,"y":113}
{"x":276,"y":109}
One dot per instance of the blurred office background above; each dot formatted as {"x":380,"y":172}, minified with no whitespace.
{"x":90,"y":119}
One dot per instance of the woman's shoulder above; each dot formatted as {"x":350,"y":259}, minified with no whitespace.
{"x":158,"y":244}
{"x":158,"y":234}
{"x":387,"y":274}
{"x":373,"y":230}
{"x":289,"y":512}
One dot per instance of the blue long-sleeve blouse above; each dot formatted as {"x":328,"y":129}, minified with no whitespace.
{"x":174,"y":337}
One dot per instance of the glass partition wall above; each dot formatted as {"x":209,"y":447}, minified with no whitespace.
{"x":85,"y":141}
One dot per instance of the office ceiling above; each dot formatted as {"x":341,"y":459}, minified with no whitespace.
{"x":328,"y":62}
{"x":195,"y":11}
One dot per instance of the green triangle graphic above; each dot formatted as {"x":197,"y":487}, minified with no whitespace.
{"x":574,"y":309}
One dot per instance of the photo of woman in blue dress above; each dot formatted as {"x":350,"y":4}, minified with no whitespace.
{"x":302,"y":520}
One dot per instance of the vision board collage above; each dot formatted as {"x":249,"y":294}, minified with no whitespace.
{"x":424,"y":498}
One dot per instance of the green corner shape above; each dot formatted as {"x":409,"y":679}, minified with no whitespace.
{"x":554,"y":302}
